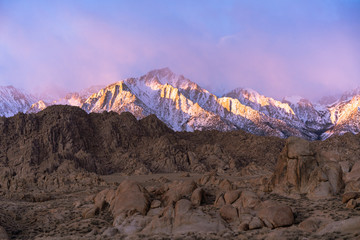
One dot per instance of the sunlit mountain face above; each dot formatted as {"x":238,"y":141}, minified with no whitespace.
{"x":185,"y":106}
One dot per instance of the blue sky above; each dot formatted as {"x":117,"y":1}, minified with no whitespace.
{"x":277,"y":47}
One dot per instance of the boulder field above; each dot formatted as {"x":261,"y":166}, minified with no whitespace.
{"x":65,"y":174}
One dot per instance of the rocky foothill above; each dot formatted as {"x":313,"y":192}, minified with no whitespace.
{"x":66,"y":174}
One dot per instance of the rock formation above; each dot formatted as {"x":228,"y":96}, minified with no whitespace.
{"x":61,"y":138}
{"x":66,"y":174}
{"x":302,"y":170}
{"x":166,"y":209}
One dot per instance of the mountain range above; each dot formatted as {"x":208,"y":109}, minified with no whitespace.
{"x":185,"y":106}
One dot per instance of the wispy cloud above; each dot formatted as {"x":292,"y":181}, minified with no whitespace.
{"x":276,"y":47}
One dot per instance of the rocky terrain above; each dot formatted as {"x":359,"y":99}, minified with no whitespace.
{"x":185,"y":106}
{"x":67,"y":174}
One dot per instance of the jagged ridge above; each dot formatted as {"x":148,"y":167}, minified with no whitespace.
{"x":185,"y":106}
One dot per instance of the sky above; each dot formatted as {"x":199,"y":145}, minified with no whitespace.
{"x":279,"y":48}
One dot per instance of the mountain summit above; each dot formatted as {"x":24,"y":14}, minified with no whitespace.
{"x":185,"y":106}
{"x":13,"y":100}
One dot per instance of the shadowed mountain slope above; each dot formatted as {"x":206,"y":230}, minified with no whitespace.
{"x":109,"y":142}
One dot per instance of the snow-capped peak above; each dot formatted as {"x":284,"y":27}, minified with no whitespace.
{"x":293,"y":99}
{"x":184,"y":105}
{"x":166,"y":76}
{"x":13,"y":100}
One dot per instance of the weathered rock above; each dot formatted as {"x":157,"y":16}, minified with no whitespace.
{"x":267,"y":223}
{"x":276,"y":215}
{"x":185,"y":174}
{"x":225,"y":185}
{"x":300,"y":170}
{"x":110,"y":232}
{"x":352,"y":179}
{"x":354,"y":174}
{"x":197,"y":196}
{"x":350,"y":225}
{"x":298,"y":147}
{"x":178,"y":190}
{"x":249,"y":199}
{"x":349,"y":195}
{"x":243,"y":227}
{"x":255,"y":223}
{"x":155,"y":204}
{"x":100,"y":200}
{"x":154,"y":212}
{"x":229,"y":213}
{"x":130,"y":197}
{"x":131,"y":224}
{"x":188,"y":219}
{"x":204,"y":179}
{"x":231,"y":196}
{"x":320,"y":190}
{"x":351,"y":204}
{"x":219,"y":201}
{"x":334,"y":175}
{"x":161,"y":223}
{"x":90,"y":212}
{"x":245,"y":217}
{"x":278,"y":234}
{"x":312,"y":224}
{"x":345,"y":166}
{"x":182,"y":207}
{"x":192,"y":158}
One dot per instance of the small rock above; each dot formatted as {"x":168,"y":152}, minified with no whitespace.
{"x":267,"y":223}
{"x":229,"y":213}
{"x":349,"y":195}
{"x":219,"y":201}
{"x":178,"y":190}
{"x":186,"y":174}
{"x":351,"y":204}
{"x":249,"y":199}
{"x":312,"y":224}
{"x":182,"y":207}
{"x":255,"y":223}
{"x":226,"y":235}
{"x":90,"y":212}
{"x":151,"y":189}
{"x":77,"y":204}
{"x":231,"y":196}
{"x":99,"y":199}
{"x":155,"y":204}
{"x":243,"y":227}
{"x":245,"y":218}
{"x":225,"y":185}
{"x":154,"y":212}
{"x":197,"y":196}
{"x":352,"y":179}
{"x":345,"y":166}
{"x":110,"y":232}
{"x":204,"y":179}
